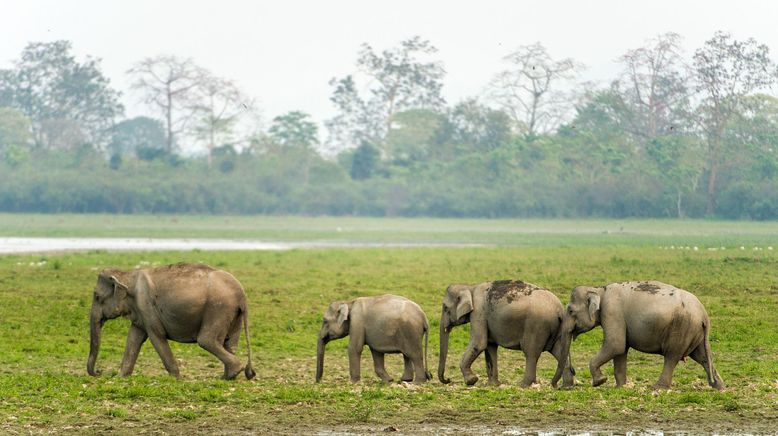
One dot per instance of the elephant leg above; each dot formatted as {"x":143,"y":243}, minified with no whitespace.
{"x":408,"y":369}
{"x":531,"y":368}
{"x":215,"y":345}
{"x":417,"y":358}
{"x":135,"y":338}
{"x":620,"y":369}
{"x":491,"y":364}
{"x":378,"y":365}
{"x":605,"y":354}
{"x":356,"y":343}
{"x":471,"y":353}
{"x":701,"y":356}
{"x":231,"y":342}
{"x":611,"y":347}
{"x":163,"y":349}
{"x":666,"y":379}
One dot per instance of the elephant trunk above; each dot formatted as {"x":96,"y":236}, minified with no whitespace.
{"x":565,"y":364}
{"x":444,"y":332}
{"x":320,"y":358}
{"x":96,"y":321}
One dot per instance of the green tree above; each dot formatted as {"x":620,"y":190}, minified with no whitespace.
{"x":414,"y":136}
{"x":296,"y":136}
{"x":726,"y":70}
{"x":398,"y":79}
{"x":481,"y":127}
{"x":364,"y":162}
{"x":15,"y":135}
{"x":295,"y":129}
{"x":15,"y":128}
{"x":679,"y":166}
{"x":69,"y":102}
{"x":137,"y":136}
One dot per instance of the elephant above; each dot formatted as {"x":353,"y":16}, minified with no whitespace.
{"x":512,"y":314}
{"x":649,"y":316}
{"x":184,"y":302}
{"x":386,"y":324}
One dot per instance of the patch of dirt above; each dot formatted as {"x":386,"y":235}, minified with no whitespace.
{"x":647,"y":287}
{"x":510,"y":289}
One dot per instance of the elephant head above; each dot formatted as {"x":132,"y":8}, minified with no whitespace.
{"x":108,"y":302}
{"x":581,"y":315}
{"x":457,"y":305}
{"x":334,"y":326}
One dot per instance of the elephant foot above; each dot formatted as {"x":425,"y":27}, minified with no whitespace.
{"x":494,"y":382}
{"x":525,"y":384}
{"x":387,"y":379}
{"x":354,"y":380}
{"x":420,"y":381}
{"x":406,"y":379}
{"x":598,"y":380}
{"x":230,"y":374}
{"x":471,"y":379}
{"x":658,"y":386}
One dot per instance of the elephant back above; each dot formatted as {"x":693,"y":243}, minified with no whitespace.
{"x":511,"y":290}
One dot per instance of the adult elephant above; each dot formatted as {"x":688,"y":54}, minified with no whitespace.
{"x":649,"y":316}
{"x":511,"y":314}
{"x":185,"y":302}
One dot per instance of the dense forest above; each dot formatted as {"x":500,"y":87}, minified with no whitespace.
{"x":674,"y":134}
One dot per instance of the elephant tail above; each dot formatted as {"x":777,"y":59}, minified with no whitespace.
{"x":426,"y":341}
{"x":249,"y":371}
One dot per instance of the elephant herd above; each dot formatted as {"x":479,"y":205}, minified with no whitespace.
{"x":191,"y":302}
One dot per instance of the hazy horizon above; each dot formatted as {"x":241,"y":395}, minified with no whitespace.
{"x":284,"y":53}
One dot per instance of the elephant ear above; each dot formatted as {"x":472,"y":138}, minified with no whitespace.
{"x":120,"y":290}
{"x":465,"y":304}
{"x":342,"y":313}
{"x":594,"y":304}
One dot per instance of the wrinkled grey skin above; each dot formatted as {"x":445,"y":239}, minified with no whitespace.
{"x":652,"y":317}
{"x":523,"y":317}
{"x":386,"y":324}
{"x":184,"y":302}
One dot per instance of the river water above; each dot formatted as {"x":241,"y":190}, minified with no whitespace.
{"x":10,"y":245}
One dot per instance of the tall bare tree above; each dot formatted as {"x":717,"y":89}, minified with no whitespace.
{"x":651,"y":93}
{"x":219,"y":104}
{"x":727,"y":70}
{"x":169,"y":85}
{"x":532,"y":90}
{"x":398,"y":79}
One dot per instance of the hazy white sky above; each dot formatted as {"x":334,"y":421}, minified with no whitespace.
{"x":284,"y":52}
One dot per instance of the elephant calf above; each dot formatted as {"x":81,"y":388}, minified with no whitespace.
{"x":185,"y":302}
{"x":387,"y":324}
{"x":652,"y":317}
{"x":511,"y":314}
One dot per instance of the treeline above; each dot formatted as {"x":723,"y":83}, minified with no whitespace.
{"x":670,"y":136}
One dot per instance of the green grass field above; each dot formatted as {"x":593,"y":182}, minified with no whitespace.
{"x":44,"y":337}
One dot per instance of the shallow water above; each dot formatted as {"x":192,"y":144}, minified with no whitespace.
{"x":10,"y":245}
